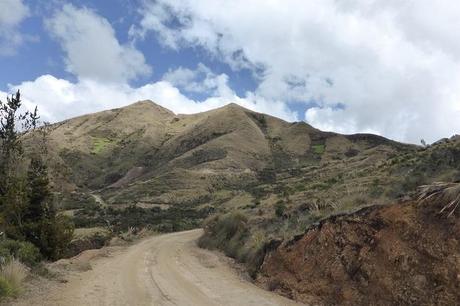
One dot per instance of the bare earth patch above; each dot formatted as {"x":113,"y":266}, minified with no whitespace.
{"x":161,"y":270}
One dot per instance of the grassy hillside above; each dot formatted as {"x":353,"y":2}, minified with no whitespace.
{"x":143,"y":164}
{"x":302,"y":197}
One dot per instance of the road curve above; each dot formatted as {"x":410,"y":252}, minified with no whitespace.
{"x":163,"y":270}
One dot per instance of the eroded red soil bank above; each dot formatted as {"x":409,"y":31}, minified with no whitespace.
{"x":403,"y":254}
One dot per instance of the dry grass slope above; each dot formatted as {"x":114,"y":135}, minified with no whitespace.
{"x":147,"y":165}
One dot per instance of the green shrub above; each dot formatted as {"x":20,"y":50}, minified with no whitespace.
{"x":100,"y":145}
{"x":260,"y":120}
{"x":376,"y":189}
{"x":280,"y":208}
{"x":333,"y":180}
{"x":318,"y":149}
{"x":26,"y":252}
{"x":55,"y":236}
{"x":321,"y":186}
{"x":29,"y":254}
{"x":267,"y":175}
{"x":407,"y":184}
{"x":300,"y":187}
{"x":230,"y":234}
{"x":225,"y":232}
{"x":351,"y":152}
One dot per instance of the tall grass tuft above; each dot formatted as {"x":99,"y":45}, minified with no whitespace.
{"x":445,"y":194}
{"x":12,"y":274}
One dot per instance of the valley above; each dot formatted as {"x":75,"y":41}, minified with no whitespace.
{"x":229,"y":152}
{"x":255,"y":184}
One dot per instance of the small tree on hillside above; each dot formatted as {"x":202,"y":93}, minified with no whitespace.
{"x":45,"y":228}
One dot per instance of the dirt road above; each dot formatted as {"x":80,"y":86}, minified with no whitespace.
{"x":162,"y":270}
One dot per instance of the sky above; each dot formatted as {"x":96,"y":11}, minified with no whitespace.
{"x":387,"y":67}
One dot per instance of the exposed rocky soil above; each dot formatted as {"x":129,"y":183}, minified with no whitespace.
{"x":403,"y":254}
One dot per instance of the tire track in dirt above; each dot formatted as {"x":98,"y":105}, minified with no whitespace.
{"x":162,"y":270}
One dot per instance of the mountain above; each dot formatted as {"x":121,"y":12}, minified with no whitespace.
{"x":123,"y":152}
{"x":146,"y":156}
{"x":262,"y":184}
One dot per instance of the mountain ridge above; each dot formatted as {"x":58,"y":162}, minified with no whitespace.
{"x":230,"y":137}
{"x":145,"y":155}
{"x":257,"y":180}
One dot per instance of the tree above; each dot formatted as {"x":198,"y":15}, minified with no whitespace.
{"x":38,"y":189}
{"x":50,"y":232}
{"x":13,"y":125}
{"x":26,"y":202}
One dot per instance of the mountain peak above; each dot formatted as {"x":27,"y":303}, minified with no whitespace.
{"x":149,"y":105}
{"x":234,"y":105}
{"x":143,"y":102}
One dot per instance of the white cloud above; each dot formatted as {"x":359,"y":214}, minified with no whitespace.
{"x":104,"y":67}
{"x":395,"y":67}
{"x":201,"y":80}
{"x":12,"y":13}
{"x":92,"y":49}
{"x":59,"y":99}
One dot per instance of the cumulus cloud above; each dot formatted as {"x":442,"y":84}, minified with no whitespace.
{"x":201,"y":80}
{"x":104,"y":67}
{"x":376,"y":66}
{"x":12,"y":13}
{"x":59,"y":99}
{"x":393,"y":67}
{"x":92,"y":49}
